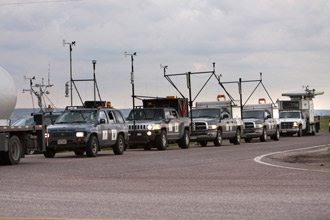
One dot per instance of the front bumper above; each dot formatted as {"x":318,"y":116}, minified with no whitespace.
{"x":66,"y":143}
{"x":206,"y":135}
{"x":252,"y":132}
{"x":289,"y":131}
{"x":142,"y":136}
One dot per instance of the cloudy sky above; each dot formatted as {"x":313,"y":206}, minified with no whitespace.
{"x":288,"y":41}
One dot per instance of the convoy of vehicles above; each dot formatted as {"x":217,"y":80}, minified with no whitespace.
{"x":261,"y":120}
{"x":215,"y":121}
{"x":87,"y":129}
{"x":156,"y":125}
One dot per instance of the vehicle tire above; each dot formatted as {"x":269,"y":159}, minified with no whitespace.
{"x":79,"y":152}
{"x":203,"y":143}
{"x":276,"y":136}
{"x":49,"y":153}
{"x":13,"y":155}
{"x":300,"y":132}
{"x":92,"y":146}
{"x":184,"y":142}
{"x":237,"y":138}
{"x":161,"y":141}
{"x":248,"y":140}
{"x":263,"y":137}
{"x":218,"y":139}
{"x":119,"y":147}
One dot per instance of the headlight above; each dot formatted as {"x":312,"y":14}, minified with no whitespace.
{"x":212,"y":127}
{"x":154,"y":127}
{"x":80,"y":134}
{"x":149,"y":127}
{"x":46,"y":135}
{"x":295,"y":124}
{"x":259,"y":125}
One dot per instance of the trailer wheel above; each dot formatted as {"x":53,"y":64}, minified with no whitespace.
{"x":263,"y":137}
{"x":92,"y":146}
{"x":119,"y":148}
{"x":49,"y":153}
{"x":218,"y":139}
{"x":161,"y":141}
{"x":13,"y":155}
{"x":300,"y":132}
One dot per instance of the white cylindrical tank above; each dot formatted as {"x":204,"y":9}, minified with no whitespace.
{"x":8,"y":95}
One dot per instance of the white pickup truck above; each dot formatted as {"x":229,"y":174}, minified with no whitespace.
{"x":292,"y":122}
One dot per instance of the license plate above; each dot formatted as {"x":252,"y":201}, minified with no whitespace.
{"x":139,"y":134}
{"x":62,"y":141}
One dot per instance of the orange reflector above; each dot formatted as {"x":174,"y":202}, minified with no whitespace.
{"x":262,"y":100}
{"x":221,"y":96}
{"x":170,"y":97}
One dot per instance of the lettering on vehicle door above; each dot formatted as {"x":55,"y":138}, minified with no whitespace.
{"x":113,"y":134}
{"x":105,"y":135}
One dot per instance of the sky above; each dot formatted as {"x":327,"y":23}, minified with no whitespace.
{"x":287,"y":40}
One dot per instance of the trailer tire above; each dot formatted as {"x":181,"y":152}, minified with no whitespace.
{"x":218,"y":140}
{"x":263,"y":137}
{"x":13,"y":155}
{"x":185,"y":140}
{"x":161,"y":141}
{"x":92,"y":146}
{"x":49,"y":153}
{"x":119,"y":147}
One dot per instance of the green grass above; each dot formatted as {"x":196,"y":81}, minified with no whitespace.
{"x":325,"y":123}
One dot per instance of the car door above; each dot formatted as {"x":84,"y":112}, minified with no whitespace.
{"x":121,"y":124}
{"x":113,"y":127}
{"x":270,"y":123}
{"x":103,"y":128}
{"x":171,"y":116}
{"x":227,"y":128}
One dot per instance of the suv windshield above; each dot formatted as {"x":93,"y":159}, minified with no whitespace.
{"x":253,"y":114}
{"x":77,"y":116}
{"x":289,"y":115}
{"x":147,"y":114}
{"x":205,"y":113}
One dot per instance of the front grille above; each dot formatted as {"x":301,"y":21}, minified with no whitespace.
{"x":62,"y":134}
{"x":137,"y":127}
{"x":249,"y":125}
{"x":286,"y":125}
{"x":199,"y":126}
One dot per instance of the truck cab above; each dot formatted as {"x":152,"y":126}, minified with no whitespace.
{"x":153,"y":126}
{"x":292,"y":122}
{"x":261,"y":121}
{"x":87,"y":129}
{"x":215,"y":121}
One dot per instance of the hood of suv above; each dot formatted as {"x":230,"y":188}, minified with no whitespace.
{"x":70,"y":127}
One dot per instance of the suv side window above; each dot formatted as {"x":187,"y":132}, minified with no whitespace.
{"x":102,"y":115}
{"x":119,"y":117}
{"x":112,"y":118}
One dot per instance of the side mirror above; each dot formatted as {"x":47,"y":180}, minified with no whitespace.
{"x":102,"y":121}
{"x":225,"y":116}
{"x":167,"y":120}
{"x":268,"y":116}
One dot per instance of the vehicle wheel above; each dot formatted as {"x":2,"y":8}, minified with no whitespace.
{"x":161,"y":141}
{"x":300,"y":132}
{"x":185,"y":140}
{"x":237,"y":138}
{"x":263,"y":137}
{"x":49,"y":153}
{"x":13,"y":156}
{"x":119,"y":148}
{"x":203,"y":143}
{"x":276,"y":136}
{"x":218,"y":138}
{"x":79,"y":152}
{"x":247,"y":140}
{"x":92,"y":146}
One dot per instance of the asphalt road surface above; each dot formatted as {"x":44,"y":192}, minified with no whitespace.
{"x":198,"y":183}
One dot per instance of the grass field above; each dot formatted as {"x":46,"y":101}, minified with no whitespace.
{"x":325,"y":123}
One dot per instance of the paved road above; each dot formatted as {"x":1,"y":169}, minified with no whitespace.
{"x":198,"y":183}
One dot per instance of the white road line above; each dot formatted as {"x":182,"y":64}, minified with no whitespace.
{"x":259,"y":159}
